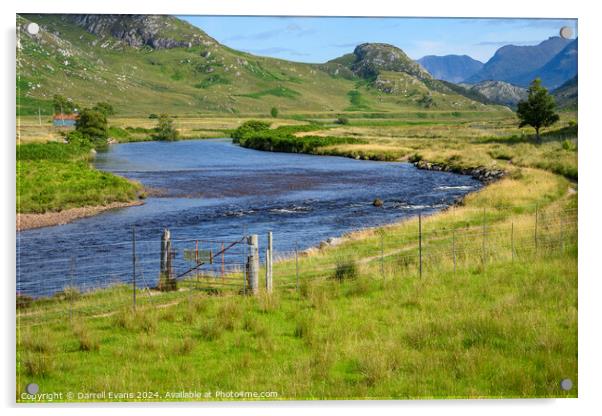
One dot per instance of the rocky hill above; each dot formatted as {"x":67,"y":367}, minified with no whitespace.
{"x":499,"y":92}
{"x":155,"y":31}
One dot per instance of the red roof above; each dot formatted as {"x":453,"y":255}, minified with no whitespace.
{"x":65,"y":117}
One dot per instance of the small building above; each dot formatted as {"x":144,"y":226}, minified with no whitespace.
{"x":64,"y":120}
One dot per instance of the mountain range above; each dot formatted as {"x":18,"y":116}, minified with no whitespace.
{"x":553,"y":60}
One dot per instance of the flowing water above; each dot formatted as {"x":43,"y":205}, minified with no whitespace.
{"x":215,"y":190}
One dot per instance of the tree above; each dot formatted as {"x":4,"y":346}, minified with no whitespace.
{"x":165,"y":128}
{"x":105,"y":108}
{"x":92,"y":124}
{"x":62,"y":105}
{"x":537,"y":110}
{"x":274,"y":112}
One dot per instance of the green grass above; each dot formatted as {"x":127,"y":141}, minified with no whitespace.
{"x":506,"y":327}
{"x":55,"y":177}
{"x":511,"y":333}
{"x":283,"y":92}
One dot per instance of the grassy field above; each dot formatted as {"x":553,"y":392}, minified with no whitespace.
{"x":497,"y":319}
{"x":503,"y":327}
{"x":56,"y":176}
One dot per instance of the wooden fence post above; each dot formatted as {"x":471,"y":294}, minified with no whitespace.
{"x":268,"y":264}
{"x":253,"y":263}
{"x":166,"y":280}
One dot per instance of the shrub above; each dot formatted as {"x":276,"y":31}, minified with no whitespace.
{"x":274,"y":112}
{"x":569,"y":145}
{"x":78,"y":139}
{"x":345,"y":270}
{"x":153,"y":116}
{"x":342,"y":120}
{"x":251,"y":126}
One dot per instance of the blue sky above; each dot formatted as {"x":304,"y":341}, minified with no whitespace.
{"x":318,"y":39}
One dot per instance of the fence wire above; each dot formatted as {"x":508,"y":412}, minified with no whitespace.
{"x":89,"y":283}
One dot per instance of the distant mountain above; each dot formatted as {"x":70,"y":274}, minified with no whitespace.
{"x":558,"y":70}
{"x":452,"y":68}
{"x":512,"y":62}
{"x":499,"y":92}
{"x":566,"y":95}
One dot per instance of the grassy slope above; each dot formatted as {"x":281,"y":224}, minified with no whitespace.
{"x":79,"y":65}
{"x":54,"y":177}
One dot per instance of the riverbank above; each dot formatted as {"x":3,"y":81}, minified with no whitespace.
{"x":48,"y":219}
{"x":57,"y":183}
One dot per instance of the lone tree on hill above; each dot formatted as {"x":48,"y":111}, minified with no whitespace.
{"x":165,"y":129}
{"x":537,"y":110}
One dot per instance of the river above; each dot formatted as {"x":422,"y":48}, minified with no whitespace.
{"x":214,"y":190}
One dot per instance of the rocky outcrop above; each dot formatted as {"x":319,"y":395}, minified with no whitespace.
{"x":371,"y":58}
{"x":155,"y":31}
{"x":480,"y":173}
{"x":499,"y":92}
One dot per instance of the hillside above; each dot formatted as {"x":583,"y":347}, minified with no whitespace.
{"x":511,"y":62}
{"x":151,"y":64}
{"x":451,"y":68}
{"x":499,"y":92}
{"x":558,"y":70}
{"x":566,"y":95}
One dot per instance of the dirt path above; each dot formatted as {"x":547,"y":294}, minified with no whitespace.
{"x":47,"y":219}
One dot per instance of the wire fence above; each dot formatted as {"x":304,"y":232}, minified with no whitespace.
{"x":89,"y":284}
